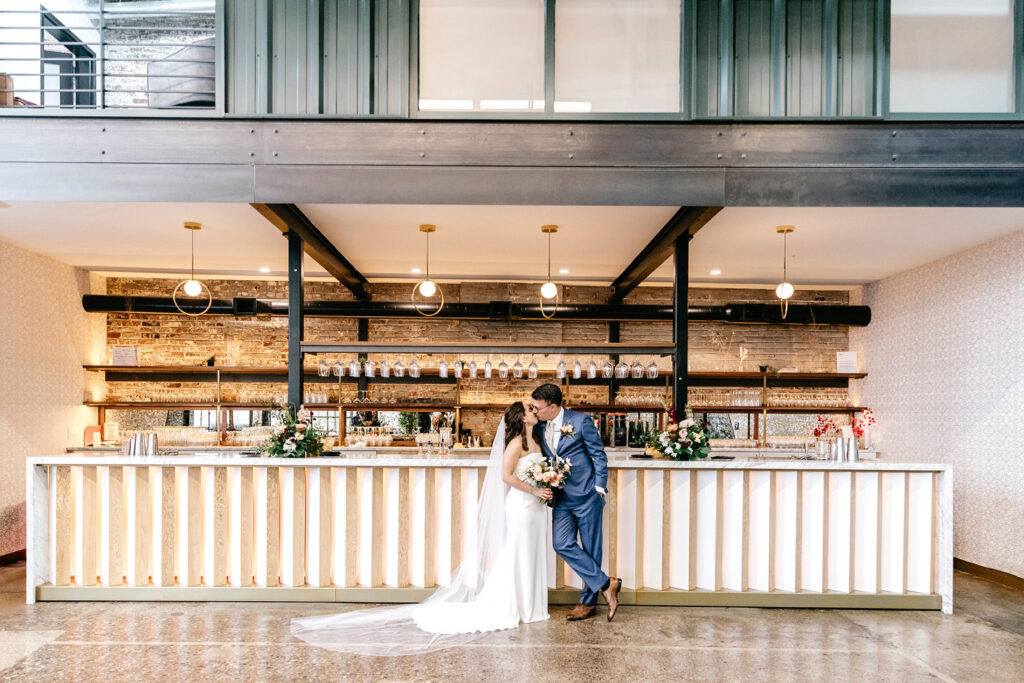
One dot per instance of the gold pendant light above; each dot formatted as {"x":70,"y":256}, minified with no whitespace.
{"x":427,"y":287}
{"x":192,"y":287}
{"x":785,"y":290}
{"x":549,"y":290}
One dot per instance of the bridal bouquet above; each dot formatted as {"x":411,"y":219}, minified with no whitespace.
{"x":548,"y":474}
{"x":294,"y":437}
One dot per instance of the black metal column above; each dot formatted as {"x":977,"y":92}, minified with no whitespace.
{"x":296,"y":325}
{"x":680,"y":323}
{"x":363,"y":335}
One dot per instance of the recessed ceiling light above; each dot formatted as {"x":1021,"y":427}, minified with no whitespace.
{"x":564,"y":271}
{"x":415,"y":270}
{"x":716,"y":271}
{"x":264,"y":269}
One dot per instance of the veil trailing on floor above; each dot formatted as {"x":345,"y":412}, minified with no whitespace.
{"x":392,"y":631}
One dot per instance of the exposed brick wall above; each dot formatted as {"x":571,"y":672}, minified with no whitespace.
{"x":262,"y":340}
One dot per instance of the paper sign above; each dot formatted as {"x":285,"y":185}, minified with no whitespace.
{"x":125,"y":355}
{"x":846,"y":361}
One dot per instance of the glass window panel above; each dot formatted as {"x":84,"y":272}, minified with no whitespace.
{"x":481,"y":56}
{"x":617,"y":55}
{"x":951,"y":56}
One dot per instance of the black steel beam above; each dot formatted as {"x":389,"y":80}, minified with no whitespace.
{"x":296,"y":322}
{"x":686,"y":221}
{"x":288,"y":218}
{"x":799,"y":314}
{"x":680,"y":323}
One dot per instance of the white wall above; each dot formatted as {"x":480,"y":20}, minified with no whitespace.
{"x":45,"y":338}
{"x":944,"y":355}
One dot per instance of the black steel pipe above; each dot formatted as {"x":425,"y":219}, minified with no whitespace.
{"x":799,"y":314}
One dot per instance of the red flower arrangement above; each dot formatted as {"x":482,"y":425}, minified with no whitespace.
{"x":826,"y":427}
{"x":866,"y":419}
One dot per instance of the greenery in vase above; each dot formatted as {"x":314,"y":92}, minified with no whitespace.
{"x":294,"y":437}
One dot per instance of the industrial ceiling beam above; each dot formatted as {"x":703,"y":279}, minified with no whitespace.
{"x":686,"y":221}
{"x":288,"y":218}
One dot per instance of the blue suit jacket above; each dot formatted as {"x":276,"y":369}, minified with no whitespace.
{"x":584,"y":451}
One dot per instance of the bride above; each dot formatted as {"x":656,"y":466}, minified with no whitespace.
{"x":502,"y":582}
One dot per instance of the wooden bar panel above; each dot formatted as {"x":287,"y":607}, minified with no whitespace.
{"x":772,"y":528}
{"x":611,"y":517}
{"x":404,"y":521}
{"x":719,"y":526}
{"x":86,"y":525}
{"x":456,"y":518}
{"x":138,"y":537}
{"x":267,"y":522}
{"x":318,"y":526}
{"x":189,"y":547}
{"x":798,"y":559}
{"x":240,"y":529}
{"x":430,"y":527}
{"x":163,"y":525}
{"x":377,"y":529}
{"x":215,"y":549}
{"x":293,"y":526}
{"x":638,"y":533}
{"x":733,"y":507}
{"x":111,"y":526}
{"x":61,"y":527}
{"x":666,"y":529}
{"x":759,"y":530}
{"x":745,"y":541}
{"x":345,"y":526}
{"x":679,"y":504}
{"x":627,"y":541}
{"x":692,"y":578}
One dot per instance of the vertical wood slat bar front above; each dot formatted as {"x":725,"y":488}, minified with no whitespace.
{"x":111,"y":526}
{"x":240,"y":537}
{"x":318,"y":526}
{"x":267,"y":525}
{"x":345,"y":527}
{"x":215,"y":554}
{"x":137,"y":539}
{"x":163,"y":525}
{"x":404,"y":526}
{"x":86,"y":522}
{"x":430,"y":536}
{"x":60,"y":525}
{"x":293,"y":526}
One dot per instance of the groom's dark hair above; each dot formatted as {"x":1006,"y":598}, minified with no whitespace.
{"x":549,"y":393}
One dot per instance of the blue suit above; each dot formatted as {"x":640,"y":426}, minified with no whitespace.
{"x":579,"y":507}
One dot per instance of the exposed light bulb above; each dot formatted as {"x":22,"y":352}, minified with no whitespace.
{"x":548,"y":290}
{"x":428,"y":288}
{"x":193,"y":288}
{"x":784,"y":290}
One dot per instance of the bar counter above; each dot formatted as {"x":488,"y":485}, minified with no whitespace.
{"x":387,"y":526}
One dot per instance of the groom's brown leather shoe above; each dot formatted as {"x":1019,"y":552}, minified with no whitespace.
{"x":612,"y":596}
{"x":581,"y":612}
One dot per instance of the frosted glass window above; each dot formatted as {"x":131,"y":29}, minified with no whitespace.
{"x":617,"y":55}
{"x":953,"y":56}
{"x":481,"y":55}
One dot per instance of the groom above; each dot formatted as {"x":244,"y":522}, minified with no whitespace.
{"x":573,"y":437}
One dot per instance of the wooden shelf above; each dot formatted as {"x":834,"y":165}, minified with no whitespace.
{"x":776,"y":409}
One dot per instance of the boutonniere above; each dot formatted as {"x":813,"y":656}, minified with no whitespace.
{"x":568,"y":431}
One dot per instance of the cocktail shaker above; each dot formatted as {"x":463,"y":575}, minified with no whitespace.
{"x":852,"y":449}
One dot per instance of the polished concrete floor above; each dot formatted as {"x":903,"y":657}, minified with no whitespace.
{"x":108,"y":642}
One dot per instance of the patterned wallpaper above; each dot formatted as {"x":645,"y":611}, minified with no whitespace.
{"x":45,"y":337}
{"x":945,"y":360}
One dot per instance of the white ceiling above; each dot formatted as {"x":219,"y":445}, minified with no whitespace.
{"x":831,"y":246}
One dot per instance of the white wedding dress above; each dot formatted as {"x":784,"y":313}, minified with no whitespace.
{"x":501,"y":583}
{"x":516,"y":589}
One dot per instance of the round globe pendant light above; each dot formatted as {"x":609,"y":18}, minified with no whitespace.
{"x":192,"y":287}
{"x":427,"y":287}
{"x":549,"y":290}
{"x":785,"y":290}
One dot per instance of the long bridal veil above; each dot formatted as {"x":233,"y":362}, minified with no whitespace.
{"x":392,"y":631}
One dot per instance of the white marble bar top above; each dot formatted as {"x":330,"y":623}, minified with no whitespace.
{"x":371,"y":458}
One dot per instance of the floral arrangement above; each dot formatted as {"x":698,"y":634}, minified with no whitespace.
{"x":685,"y":440}
{"x":548,"y":474}
{"x":294,"y":437}
{"x":826,"y":427}
{"x":862,"y":423}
